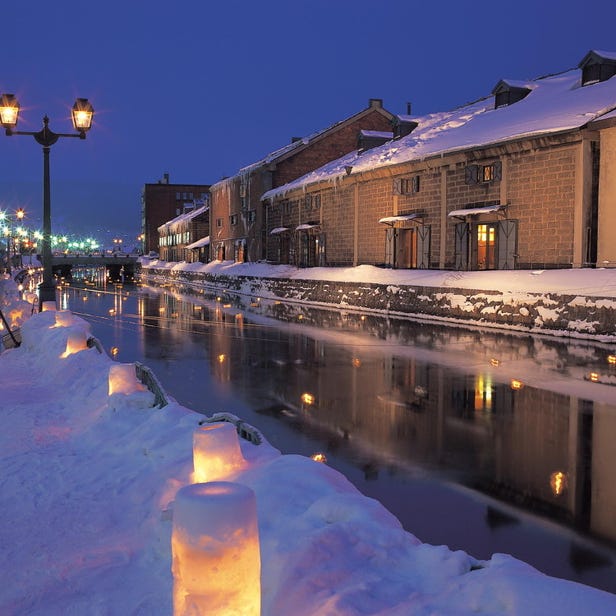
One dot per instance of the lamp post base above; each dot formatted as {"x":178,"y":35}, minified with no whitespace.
{"x":47,"y":293}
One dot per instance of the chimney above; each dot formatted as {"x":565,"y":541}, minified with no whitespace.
{"x":376,"y":103}
{"x":408,"y":108}
{"x":165,"y":179}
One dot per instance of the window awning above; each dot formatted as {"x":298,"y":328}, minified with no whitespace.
{"x":392,"y":220}
{"x":204,"y":241}
{"x":472,"y":211}
{"x":306,"y":227}
{"x":279,"y":230}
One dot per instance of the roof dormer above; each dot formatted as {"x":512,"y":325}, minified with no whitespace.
{"x":368,"y":139}
{"x":403,"y":125}
{"x":597,"y":66}
{"x":507,"y":92}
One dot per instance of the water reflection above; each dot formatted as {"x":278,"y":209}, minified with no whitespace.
{"x":396,"y":405}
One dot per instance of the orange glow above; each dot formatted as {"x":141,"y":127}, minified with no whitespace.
{"x":558,"y":482}
{"x":122,"y":379}
{"x":300,"y":317}
{"x":112,"y":311}
{"x":594,"y":377}
{"x":319,"y":457}
{"x":114,"y":351}
{"x":221,"y":358}
{"x":307,"y":398}
{"x":216,"y":452}
{"x":611,"y":359}
{"x":49,"y":306}
{"x":515,"y":384}
{"x":216,"y":554}
{"x":356,"y":362}
{"x":495,"y":362}
{"x":76,"y":342}
{"x":64,"y":318}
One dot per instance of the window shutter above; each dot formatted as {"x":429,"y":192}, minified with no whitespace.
{"x":416,"y":184}
{"x":423,"y":246}
{"x":462,"y":246}
{"x":398,"y":187}
{"x":389,"y":247}
{"x":507,"y":241}
{"x":472,"y":174}
{"x":498,"y":170}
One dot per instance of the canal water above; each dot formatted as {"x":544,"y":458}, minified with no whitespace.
{"x":479,"y":440}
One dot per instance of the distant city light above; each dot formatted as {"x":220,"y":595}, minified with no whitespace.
{"x":516,"y":384}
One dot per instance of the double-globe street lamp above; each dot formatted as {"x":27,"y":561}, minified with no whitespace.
{"x":82,"y":114}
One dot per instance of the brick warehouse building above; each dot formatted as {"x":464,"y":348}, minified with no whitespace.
{"x":523,"y":178}
{"x":181,"y":237}
{"x":163,"y":201}
{"x":237,"y":215}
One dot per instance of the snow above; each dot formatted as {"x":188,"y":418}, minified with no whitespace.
{"x":600,"y":282}
{"x":556,"y":103}
{"x":88,"y":486}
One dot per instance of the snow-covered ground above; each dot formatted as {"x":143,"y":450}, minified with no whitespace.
{"x":88,"y":485}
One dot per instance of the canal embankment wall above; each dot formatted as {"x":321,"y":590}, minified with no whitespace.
{"x":574,"y":315}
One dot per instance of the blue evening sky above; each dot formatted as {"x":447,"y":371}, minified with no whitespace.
{"x":198,"y":89}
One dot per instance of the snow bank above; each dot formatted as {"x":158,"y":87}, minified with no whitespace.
{"x":89,"y":487}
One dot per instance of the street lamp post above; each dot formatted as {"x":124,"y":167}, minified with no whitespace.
{"x":82,"y":113}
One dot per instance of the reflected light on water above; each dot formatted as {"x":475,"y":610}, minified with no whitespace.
{"x":307,"y":398}
{"x":558,"y":482}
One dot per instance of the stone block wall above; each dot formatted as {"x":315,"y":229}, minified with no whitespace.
{"x":541,"y":193}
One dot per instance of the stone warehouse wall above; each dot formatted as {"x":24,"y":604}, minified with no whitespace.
{"x":550,"y":313}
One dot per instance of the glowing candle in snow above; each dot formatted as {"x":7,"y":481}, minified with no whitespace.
{"x":216,"y":452}
{"x":76,"y":342}
{"x":123,"y":379}
{"x":215,"y":545}
{"x":64,"y":318}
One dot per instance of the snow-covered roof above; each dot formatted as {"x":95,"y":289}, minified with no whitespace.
{"x":300,"y":143}
{"x":470,"y":211}
{"x":279,"y":230}
{"x":185,"y":217}
{"x":204,"y":241}
{"x":376,"y":133}
{"x":556,"y":103}
{"x":391,"y":220}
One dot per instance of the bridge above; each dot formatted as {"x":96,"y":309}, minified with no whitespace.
{"x":118,"y":266}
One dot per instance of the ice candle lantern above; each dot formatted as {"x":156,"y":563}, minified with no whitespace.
{"x":77,"y":341}
{"x":215,"y":547}
{"x":216,"y":452}
{"x":123,"y":379}
{"x":64,"y":318}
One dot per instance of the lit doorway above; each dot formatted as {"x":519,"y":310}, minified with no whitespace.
{"x":486,"y":246}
